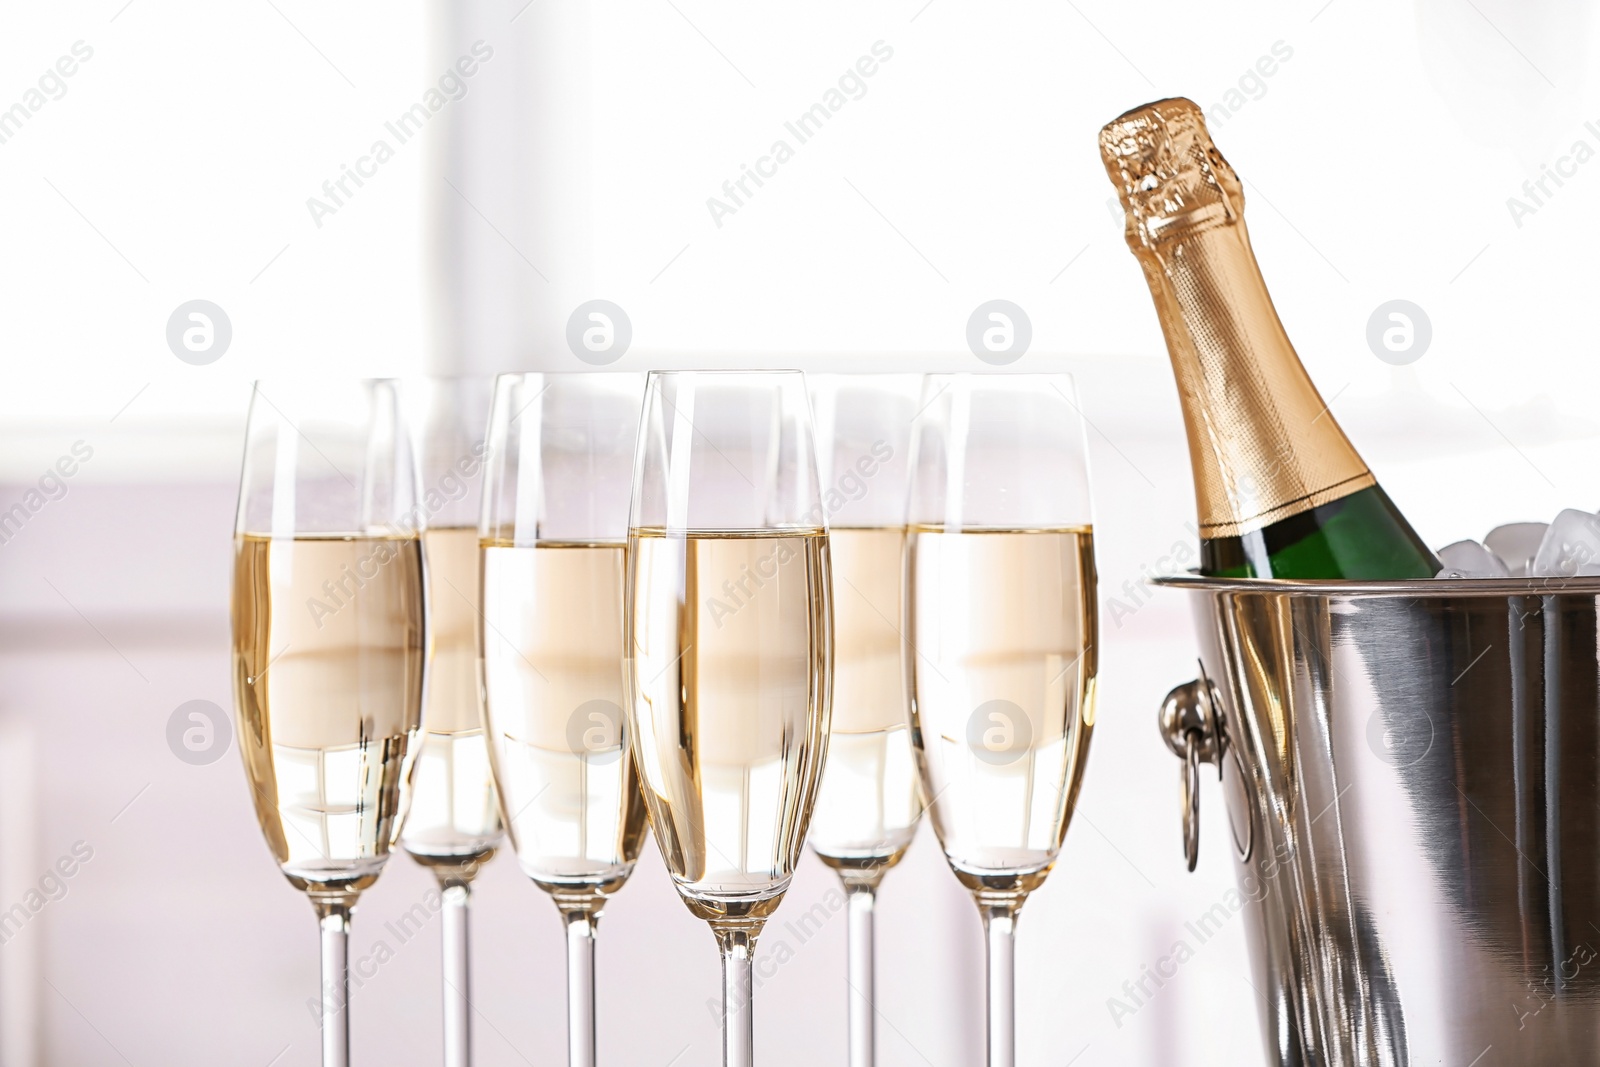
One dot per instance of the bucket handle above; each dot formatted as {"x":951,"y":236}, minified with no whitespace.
{"x":1192,"y":726}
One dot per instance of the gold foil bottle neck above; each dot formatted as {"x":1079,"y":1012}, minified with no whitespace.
{"x":1262,"y":444}
{"x":1169,"y":176}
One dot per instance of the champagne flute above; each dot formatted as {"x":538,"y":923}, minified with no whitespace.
{"x":1002,"y":620}
{"x":329,"y":646}
{"x":729,"y":643}
{"x":454,"y":821}
{"x":553,"y":538}
{"x":869,"y":802}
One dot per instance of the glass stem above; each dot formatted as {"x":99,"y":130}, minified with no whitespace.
{"x":862,"y":990}
{"x":1000,"y":941}
{"x":738,"y":1008}
{"x":581,"y":920}
{"x":333,"y":917}
{"x":457,"y":976}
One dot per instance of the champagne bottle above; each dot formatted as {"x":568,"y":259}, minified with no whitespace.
{"x":1281,"y":492}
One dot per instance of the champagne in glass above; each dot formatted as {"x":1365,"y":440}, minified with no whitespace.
{"x":1003,"y":766}
{"x":327,"y":783}
{"x":733,"y":681}
{"x":1001,"y":612}
{"x":553,"y":542}
{"x":729,"y":639}
{"x":870,"y":800}
{"x":329,"y":646}
{"x":454,"y":821}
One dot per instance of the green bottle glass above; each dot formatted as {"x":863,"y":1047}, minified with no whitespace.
{"x":1280,"y":491}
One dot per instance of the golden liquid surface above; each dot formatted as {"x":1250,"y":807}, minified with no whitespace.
{"x":869,"y":802}
{"x":328,"y":657}
{"x":454,"y":812}
{"x":729,"y":686}
{"x":552,"y":668}
{"x":1003,"y":624}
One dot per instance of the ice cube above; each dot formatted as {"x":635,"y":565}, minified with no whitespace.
{"x":1517,"y":543}
{"x":1468,"y":559}
{"x":1571,"y":546}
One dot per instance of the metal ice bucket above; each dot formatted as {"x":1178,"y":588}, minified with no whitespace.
{"x":1412,"y":777}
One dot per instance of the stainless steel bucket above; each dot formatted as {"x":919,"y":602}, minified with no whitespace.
{"x":1412,"y":777}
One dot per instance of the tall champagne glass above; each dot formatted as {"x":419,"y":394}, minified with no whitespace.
{"x":554,"y":544}
{"x":454,"y":821}
{"x":729,"y":648}
{"x":329,"y":646}
{"x":1002,"y":616}
{"x":869,"y":803}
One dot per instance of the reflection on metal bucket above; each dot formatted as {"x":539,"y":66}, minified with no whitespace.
{"x":1412,"y":771}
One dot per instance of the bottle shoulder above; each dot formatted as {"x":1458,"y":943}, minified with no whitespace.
{"x":1361,"y":536}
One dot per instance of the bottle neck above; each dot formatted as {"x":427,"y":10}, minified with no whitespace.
{"x":1263,"y":445}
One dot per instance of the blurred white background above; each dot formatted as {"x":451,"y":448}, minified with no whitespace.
{"x":1381,"y":155}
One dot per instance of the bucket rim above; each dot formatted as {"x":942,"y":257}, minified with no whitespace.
{"x":1585,"y":585}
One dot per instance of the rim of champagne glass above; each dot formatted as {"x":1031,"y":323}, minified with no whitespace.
{"x":415,"y":471}
{"x":868,"y":376}
{"x":324,"y":381}
{"x":450,"y":387}
{"x":768,"y":372}
{"x":907,"y":381}
{"x":936,"y":385}
{"x":508,"y":375}
{"x":987,"y":377}
{"x":295,"y":395}
{"x":505,"y":379}
{"x":932,"y":393}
